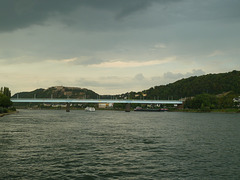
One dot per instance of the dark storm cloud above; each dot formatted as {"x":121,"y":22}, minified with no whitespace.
{"x":15,"y":14}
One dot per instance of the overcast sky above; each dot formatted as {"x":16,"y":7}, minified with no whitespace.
{"x":115,"y":46}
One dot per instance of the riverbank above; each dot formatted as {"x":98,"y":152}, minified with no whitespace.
{"x":8,"y":113}
{"x":207,"y":110}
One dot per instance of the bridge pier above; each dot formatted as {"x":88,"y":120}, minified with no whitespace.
{"x":68,"y":107}
{"x":128,"y":107}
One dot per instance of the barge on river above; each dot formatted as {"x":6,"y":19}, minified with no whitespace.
{"x":150,"y":110}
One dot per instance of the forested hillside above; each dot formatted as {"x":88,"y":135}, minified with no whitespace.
{"x":214,"y":84}
{"x":211,"y":84}
{"x":59,"y":92}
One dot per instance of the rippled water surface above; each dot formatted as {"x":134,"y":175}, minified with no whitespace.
{"x":42,"y":144}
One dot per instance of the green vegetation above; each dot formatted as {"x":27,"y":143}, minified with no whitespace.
{"x":5,"y":91}
{"x":5,"y":102}
{"x":211,"y":84}
{"x":203,"y":93}
{"x":207,"y":102}
{"x":214,"y":84}
{"x":59,"y":92}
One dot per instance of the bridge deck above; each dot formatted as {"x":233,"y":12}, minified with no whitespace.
{"x":125,"y":101}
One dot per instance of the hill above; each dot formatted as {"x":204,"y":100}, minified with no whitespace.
{"x":215,"y":84}
{"x":211,"y":84}
{"x":59,"y":92}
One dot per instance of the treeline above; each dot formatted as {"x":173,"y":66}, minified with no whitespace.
{"x":211,"y":91}
{"x":207,"y":102}
{"x":5,"y":102}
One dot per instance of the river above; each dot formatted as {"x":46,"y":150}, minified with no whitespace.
{"x":53,"y":144}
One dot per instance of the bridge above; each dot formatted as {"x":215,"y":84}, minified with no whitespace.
{"x":70,"y":101}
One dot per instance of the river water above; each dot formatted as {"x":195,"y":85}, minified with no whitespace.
{"x":43,"y":144}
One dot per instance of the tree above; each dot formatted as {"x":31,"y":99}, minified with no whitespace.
{"x":202,"y":101}
{"x":5,"y":101}
{"x":5,"y":91}
{"x":227,"y":101}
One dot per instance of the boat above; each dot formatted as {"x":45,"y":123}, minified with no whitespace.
{"x":90,"y":109}
{"x":150,"y":110}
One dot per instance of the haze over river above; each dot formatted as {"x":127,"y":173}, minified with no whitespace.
{"x":53,"y":144}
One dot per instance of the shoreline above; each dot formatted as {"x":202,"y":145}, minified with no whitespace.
{"x":170,"y":110}
{"x":8,"y":113}
{"x":207,"y":111}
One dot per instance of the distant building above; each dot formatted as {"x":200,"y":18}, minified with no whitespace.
{"x":110,"y":105}
{"x":102,"y":105}
{"x":237,"y":101}
{"x":105,"y":105}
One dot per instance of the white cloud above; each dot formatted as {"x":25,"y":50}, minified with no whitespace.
{"x":70,"y":60}
{"x":176,"y":76}
{"x":130,"y":64}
